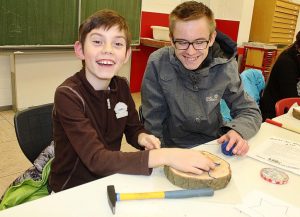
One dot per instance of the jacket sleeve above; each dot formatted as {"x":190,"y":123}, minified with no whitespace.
{"x":244,"y":110}
{"x":154,"y":106}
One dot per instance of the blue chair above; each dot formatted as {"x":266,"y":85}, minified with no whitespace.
{"x":254,"y":83}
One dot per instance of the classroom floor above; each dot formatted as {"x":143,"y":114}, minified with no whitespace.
{"x":12,"y":160}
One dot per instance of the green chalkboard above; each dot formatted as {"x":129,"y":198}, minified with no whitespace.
{"x":55,"y":22}
{"x":130,"y":9}
{"x":38,"y":22}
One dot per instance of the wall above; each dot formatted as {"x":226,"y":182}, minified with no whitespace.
{"x":29,"y":78}
{"x":229,"y":14}
{"x":5,"y":81}
{"x":35,"y":76}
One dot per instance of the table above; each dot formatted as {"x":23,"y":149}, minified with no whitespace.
{"x":90,"y":199}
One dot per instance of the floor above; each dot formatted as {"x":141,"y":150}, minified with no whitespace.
{"x":12,"y":160}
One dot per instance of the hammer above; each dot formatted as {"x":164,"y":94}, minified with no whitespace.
{"x":112,"y":196}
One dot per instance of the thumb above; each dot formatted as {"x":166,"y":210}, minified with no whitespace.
{"x":221,"y":139}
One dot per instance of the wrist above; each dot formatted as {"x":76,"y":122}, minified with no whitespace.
{"x":158,"y":157}
{"x":224,"y":130}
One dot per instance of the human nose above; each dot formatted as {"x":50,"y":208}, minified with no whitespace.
{"x":191,"y":49}
{"x":107,"y":48}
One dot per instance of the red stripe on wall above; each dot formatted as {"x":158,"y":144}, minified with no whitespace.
{"x":152,"y":19}
{"x":140,"y":57}
{"x":229,"y":27}
{"x":138,"y":65}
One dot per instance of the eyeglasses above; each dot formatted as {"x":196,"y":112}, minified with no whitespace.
{"x":184,"y":45}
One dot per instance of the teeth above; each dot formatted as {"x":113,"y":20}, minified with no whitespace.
{"x":105,"y":62}
{"x":191,"y":58}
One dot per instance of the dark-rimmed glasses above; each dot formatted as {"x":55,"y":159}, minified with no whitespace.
{"x":184,"y":44}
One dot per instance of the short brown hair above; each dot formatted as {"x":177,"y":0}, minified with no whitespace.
{"x":107,"y":19}
{"x":191,"y":10}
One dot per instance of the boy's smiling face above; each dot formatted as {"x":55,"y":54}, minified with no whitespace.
{"x":190,"y":31}
{"x":104,"y":53}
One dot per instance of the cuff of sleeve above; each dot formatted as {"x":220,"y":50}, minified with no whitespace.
{"x":145,"y":161}
{"x":136,"y":144}
{"x":224,"y":130}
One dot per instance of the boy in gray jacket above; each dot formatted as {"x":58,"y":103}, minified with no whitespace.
{"x":183,"y":85}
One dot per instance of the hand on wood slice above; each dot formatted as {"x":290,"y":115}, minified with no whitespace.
{"x":216,"y":179}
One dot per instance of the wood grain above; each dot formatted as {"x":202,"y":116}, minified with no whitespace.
{"x":216,"y":179}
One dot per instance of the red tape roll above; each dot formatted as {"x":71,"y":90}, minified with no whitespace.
{"x":274,"y":176}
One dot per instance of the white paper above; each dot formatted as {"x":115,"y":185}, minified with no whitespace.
{"x":280,"y":153}
{"x":258,"y":204}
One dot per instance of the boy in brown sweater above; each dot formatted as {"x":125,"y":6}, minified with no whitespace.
{"x":94,"y":108}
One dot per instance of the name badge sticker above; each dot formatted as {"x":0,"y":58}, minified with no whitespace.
{"x":121,"y":110}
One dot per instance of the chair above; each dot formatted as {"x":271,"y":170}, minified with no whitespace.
{"x":33,"y":128}
{"x":282,"y":106}
{"x":253,"y":82}
{"x":142,"y":120}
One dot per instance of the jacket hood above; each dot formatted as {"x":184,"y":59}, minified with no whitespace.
{"x":223,"y":47}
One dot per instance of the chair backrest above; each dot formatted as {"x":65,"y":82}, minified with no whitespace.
{"x":141,"y":117}
{"x":33,"y":128}
{"x":282,"y":106}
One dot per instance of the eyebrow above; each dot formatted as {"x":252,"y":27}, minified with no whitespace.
{"x":202,"y":38}
{"x":98,"y":34}
{"x":198,"y":39}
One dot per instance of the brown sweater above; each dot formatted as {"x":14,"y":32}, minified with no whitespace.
{"x":88,"y":134}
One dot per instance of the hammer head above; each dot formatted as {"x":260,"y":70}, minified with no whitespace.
{"x":112,"y":197}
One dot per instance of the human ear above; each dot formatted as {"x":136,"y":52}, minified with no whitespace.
{"x":79,"y":50}
{"x":127,"y":55}
{"x":171,"y":39}
{"x":212,"y":38}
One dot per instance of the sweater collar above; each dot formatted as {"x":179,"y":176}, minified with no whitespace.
{"x":98,"y":93}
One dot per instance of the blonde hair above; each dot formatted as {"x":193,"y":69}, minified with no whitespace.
{"x":191,"y":10}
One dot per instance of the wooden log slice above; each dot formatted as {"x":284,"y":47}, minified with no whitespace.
{"x":216,"y":179}
{"x":296,"y":112}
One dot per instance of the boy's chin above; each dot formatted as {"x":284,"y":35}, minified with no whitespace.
{"x":192,"y":67}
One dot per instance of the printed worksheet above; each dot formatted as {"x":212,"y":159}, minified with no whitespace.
{"x":280,"y":153}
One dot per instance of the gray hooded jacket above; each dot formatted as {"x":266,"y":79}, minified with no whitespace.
{"x":182,"y":107}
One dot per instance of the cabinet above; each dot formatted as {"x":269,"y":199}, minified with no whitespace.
{"x":260,"y":57}
{"x":274,"y":21}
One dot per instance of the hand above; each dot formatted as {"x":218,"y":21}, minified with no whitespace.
{"x":148,"y":141}
{"x":233,"y":138}
{"x":188,"y":160}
